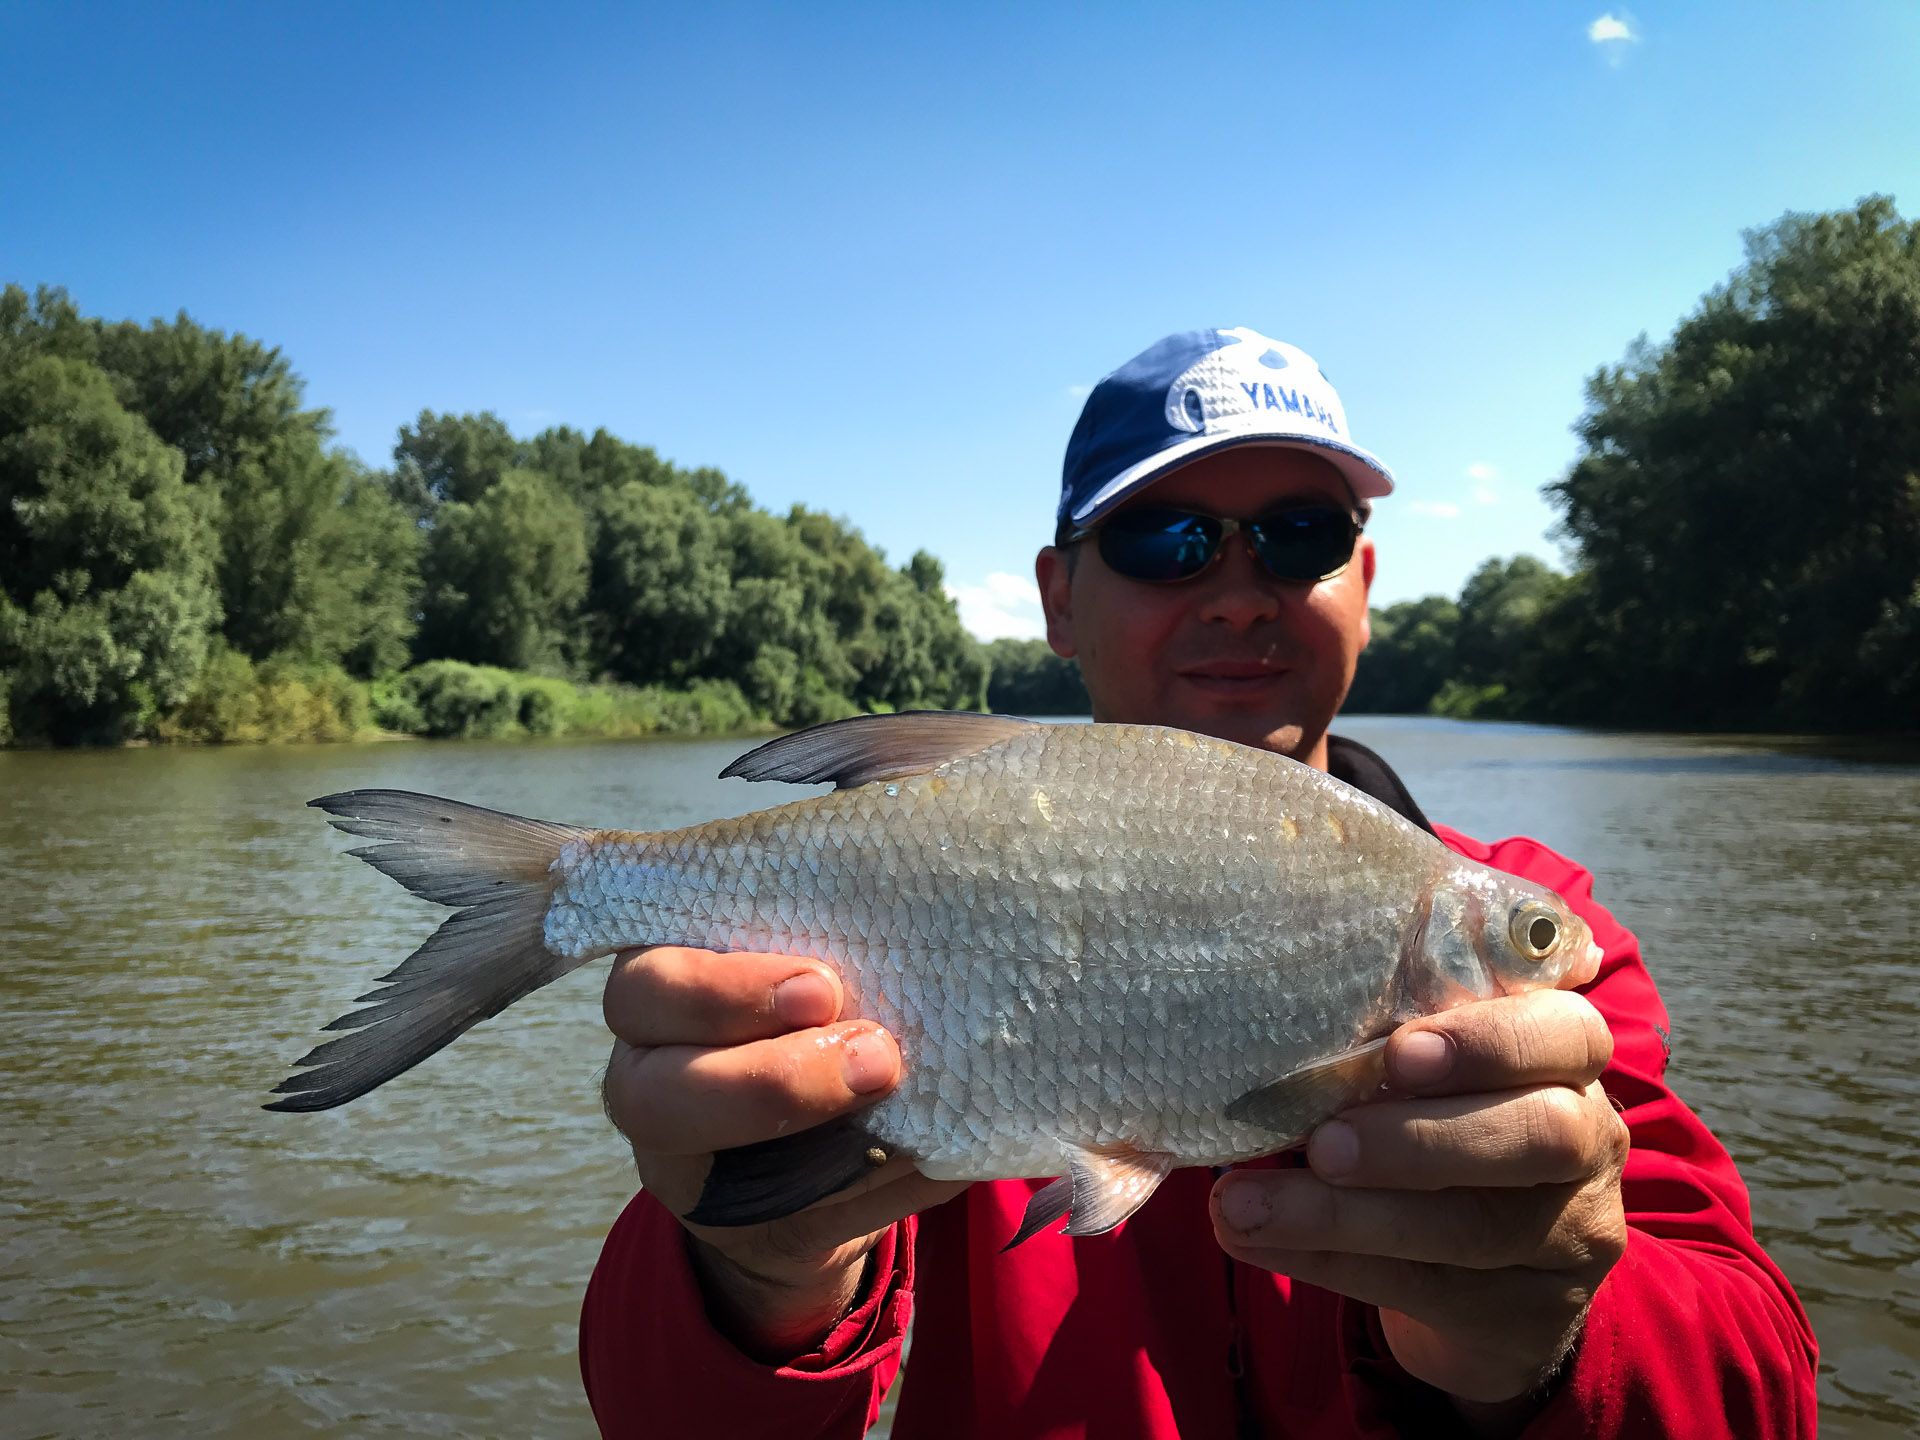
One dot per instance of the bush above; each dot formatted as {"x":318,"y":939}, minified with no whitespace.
{"x":222,"y":706}
{"x":310,"y":702}
{"x":233,"y":701}
{"x":706,"y":707}
{"x":395,"y":708}
{"x":544,"y":706}
{"x":450,"y":698}
{"x":456,"y":699}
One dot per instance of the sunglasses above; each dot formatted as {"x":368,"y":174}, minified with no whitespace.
{"x":1162,"y":545}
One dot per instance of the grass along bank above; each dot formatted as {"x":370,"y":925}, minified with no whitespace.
{"x":236,"y":701}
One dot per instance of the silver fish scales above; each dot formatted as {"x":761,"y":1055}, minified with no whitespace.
{"x":1104,"y":950}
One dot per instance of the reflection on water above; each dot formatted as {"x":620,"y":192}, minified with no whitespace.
{"x":177,"y":926}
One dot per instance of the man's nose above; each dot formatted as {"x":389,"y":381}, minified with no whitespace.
{"x":1237,"y":589}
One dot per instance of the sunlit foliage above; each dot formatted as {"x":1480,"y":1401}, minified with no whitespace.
{"x":187,"y":556}
{"x":1744,"y":518}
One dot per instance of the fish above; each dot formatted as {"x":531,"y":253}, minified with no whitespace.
{"x":1105,"y":950}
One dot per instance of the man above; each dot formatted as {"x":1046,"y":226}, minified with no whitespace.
{"x":1531,"y":1235}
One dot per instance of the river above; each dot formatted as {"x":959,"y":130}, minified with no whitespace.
{"x":176,"y":927}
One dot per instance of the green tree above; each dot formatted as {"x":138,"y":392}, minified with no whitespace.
{"x":106,"y":591}
{"x":356,"y":593}
{"x":1027,"y":678}
{"x":779,"y":640}
{"x":44,"y":323}
{"x":1500,"y":606}
{"x":661,"y":583}
{"x":297,"y":524}
{"x":451,"y":459}
{"x":233,"y":409}
{"x":917,"y":655}
{"x":1409,"y":657}
{"x":1747,"y":502}
{"x":504,"y":577}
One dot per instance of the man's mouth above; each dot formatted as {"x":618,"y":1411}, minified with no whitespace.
{"x":1231,"y":676}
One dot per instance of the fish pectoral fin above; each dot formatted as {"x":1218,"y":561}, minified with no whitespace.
{"x":751,"y":1184}
{"x":1103,"y":1186}
{"x":1302,"y":1098}
{"x":1045,"y":1207}
{"x":874,"y":747}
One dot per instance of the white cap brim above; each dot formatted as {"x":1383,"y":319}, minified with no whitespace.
{"x":1367,"y":477}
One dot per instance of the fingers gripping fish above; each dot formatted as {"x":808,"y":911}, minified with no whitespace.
{"x":1105,"y":950}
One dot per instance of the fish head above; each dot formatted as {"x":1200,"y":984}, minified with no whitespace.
{"x":1489,"y":934}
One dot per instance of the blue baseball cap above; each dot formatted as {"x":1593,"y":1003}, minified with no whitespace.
{"x":1196,"y":393}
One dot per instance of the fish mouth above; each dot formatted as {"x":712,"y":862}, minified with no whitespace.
{"x":1587,"y":969}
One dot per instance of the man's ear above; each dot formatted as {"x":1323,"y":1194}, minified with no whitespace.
{"x":1368,"y":562}
{"x":1055,"y":578}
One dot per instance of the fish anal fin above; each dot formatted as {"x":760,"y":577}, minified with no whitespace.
{"x":770,"y":1180}
{"x":1104,"y":1184}
{"x":1110,"y":1183}
{"x":866,"y":748}
{"x":1302,"y":1098}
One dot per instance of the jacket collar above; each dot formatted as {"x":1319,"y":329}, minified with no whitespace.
{"x":1354,"y":763}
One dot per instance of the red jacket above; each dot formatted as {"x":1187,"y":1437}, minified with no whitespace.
{"x":1152,"y":1331}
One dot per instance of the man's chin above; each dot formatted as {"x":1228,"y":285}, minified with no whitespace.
{"x":1282,"y":734}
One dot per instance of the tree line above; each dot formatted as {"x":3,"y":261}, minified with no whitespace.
{"x":1743,"y":518}
{"x":1742,"y":523}
{"x":185,"y":554}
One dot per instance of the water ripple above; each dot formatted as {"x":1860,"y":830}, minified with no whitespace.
{"x":178,"y":927}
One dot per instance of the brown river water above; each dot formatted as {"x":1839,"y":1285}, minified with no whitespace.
{"x":175,"y":926}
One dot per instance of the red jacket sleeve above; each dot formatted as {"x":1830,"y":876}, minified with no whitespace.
{"x":653,"y":1365}
{"x":1695,"y":1332}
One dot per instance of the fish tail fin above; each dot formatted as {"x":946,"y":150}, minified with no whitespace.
{"x":497,"y":871}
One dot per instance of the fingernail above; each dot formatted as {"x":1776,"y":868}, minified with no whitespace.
{"x":1423,"y":1057}
{"x":1334,"y":1150}
{"x":1245,"y":1206}
{"x":806,"y":999}
{"x":868,"y":1061}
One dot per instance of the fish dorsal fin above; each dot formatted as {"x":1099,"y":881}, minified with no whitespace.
{"x":1302,"y":1098}
{"x":874,"y":747}
{"x":1103,"y":1186}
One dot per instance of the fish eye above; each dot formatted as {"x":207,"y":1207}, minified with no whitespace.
{"x":1535,"y":931}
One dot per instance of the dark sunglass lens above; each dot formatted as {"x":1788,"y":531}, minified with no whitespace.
{"x":1309,"y":543}
{"x":1158,"y":545}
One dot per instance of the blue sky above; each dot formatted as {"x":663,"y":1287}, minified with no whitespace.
{"x":868,"y":258}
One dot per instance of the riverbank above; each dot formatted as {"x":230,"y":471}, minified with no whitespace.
{"x":236,"y":702}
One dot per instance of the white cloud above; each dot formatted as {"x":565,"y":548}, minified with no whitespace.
{"x":1613,"y":33}
{"x":1002,"y":604}
{"x":1437,"y":509}
{"x":1483,"y":475}
{"x":1079,"y":392}
{"x":1611,"y":29}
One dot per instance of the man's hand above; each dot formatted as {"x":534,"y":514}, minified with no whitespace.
{"x":713,"y":1051}
{"x":1480,"y":1216}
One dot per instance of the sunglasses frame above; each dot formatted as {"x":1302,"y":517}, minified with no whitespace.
{"x":1229,"y":526}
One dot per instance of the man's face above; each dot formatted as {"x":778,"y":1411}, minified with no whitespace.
{"x":1232,"y":652}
